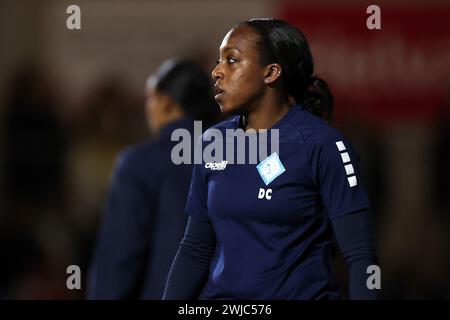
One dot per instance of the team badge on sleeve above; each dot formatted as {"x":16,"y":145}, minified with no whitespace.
{"x":270,"y":168}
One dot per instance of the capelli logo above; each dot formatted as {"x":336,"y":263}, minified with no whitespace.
{"x":216,"y":165}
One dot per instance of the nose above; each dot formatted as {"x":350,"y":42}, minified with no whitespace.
{"x":217,"y":72}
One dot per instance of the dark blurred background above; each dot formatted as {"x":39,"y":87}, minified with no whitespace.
{"x":70,"y":100}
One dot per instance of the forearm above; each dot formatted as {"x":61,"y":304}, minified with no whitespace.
{"x":354,"y":234}
{"x":358,"y":277}
{"x":190,"y":268}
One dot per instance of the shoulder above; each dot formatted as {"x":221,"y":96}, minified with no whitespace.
{"x":136,"y":158}
{"x":312,"y":130}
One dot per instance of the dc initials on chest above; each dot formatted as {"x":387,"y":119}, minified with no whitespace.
{"x":265,"y":194}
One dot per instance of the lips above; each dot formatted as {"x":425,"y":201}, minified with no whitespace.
{"x":218,"y":92}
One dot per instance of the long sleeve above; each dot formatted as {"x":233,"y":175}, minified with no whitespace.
{"x":354,"y":235}
{"x":118,"y":262}
{"x":190,"y":268}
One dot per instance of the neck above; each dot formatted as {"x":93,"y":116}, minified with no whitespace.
{"x":266,"y":115}
{"x":169,"y":118}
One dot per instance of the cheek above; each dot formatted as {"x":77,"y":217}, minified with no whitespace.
{"x":245,"y":75}
{"x":247,"y":85}
{"x":153,"y":112}
{"x":149,"y":110}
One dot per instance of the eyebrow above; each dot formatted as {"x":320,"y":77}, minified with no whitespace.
{"x":231,"y":48}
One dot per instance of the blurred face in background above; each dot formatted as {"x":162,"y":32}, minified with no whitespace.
{"x":155,"y":105}
{"x":160,"y":108}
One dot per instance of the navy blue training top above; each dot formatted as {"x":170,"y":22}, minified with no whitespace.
{"x":274,"y":239}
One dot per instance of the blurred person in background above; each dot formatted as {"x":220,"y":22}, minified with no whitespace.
{"x":144,"y":217}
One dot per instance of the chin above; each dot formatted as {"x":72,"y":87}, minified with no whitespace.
{"x":221,"y":108}
{"x":230,"y":110}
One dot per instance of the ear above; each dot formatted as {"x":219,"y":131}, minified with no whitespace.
{"x":272,"y":73}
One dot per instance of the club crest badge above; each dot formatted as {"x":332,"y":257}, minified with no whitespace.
{"x":270,"y":168}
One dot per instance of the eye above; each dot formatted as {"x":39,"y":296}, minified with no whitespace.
{"x":217,"y":62}
{"x":231,"y":60}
